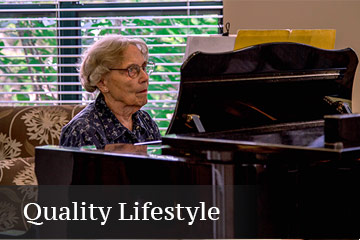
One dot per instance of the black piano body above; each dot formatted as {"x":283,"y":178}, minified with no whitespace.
{"x":262,"y":85}
{"x":261,"y":110}
{"x":252,"y":117}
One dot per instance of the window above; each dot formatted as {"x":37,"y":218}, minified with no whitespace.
{"x":41,"y":43}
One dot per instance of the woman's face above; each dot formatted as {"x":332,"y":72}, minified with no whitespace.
{"x":121,"y":87}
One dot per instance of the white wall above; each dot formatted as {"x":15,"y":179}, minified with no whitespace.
{"x":342,"y":15}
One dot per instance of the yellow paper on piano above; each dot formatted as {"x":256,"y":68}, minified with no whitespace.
{"x":320,"y":38}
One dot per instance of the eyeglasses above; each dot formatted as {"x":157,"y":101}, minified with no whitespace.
{"x":134,"y":70}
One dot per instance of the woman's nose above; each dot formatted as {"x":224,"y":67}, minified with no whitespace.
{"x":144,"y":76}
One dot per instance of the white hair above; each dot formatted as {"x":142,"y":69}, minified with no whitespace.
{"x":103,"y":55}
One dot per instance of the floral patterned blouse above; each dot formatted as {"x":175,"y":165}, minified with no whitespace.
{"x":97,"y":125}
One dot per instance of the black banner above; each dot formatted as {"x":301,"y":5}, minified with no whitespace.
{"x":174,"y":212}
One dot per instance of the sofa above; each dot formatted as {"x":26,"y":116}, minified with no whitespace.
{"x":22,"y":128}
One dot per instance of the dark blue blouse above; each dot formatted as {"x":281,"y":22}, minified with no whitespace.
{"x":97,"y":125}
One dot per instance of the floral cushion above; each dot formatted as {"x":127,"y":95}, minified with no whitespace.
{"x":18,"y":171}
{"x":12,"y":201}
{"x":21,"y":129}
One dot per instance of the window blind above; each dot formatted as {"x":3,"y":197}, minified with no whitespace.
{"x":41,"y":43}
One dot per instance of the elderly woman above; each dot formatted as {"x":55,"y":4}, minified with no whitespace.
{"x":118,"y":67}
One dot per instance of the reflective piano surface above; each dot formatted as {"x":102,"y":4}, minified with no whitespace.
{"x":261,"y":110}
{"x":251,"y":117}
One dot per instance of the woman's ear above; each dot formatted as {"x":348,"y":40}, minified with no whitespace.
{"x":101,"y":85}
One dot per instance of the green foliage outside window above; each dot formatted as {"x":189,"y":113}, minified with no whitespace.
{"x":38,"y":38}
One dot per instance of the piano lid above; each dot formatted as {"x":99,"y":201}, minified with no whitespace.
{"x":261,"y":85}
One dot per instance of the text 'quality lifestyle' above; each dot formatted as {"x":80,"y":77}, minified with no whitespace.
{"x":37,"y":215}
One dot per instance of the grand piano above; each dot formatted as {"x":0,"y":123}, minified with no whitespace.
{"x":274,"y":118}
